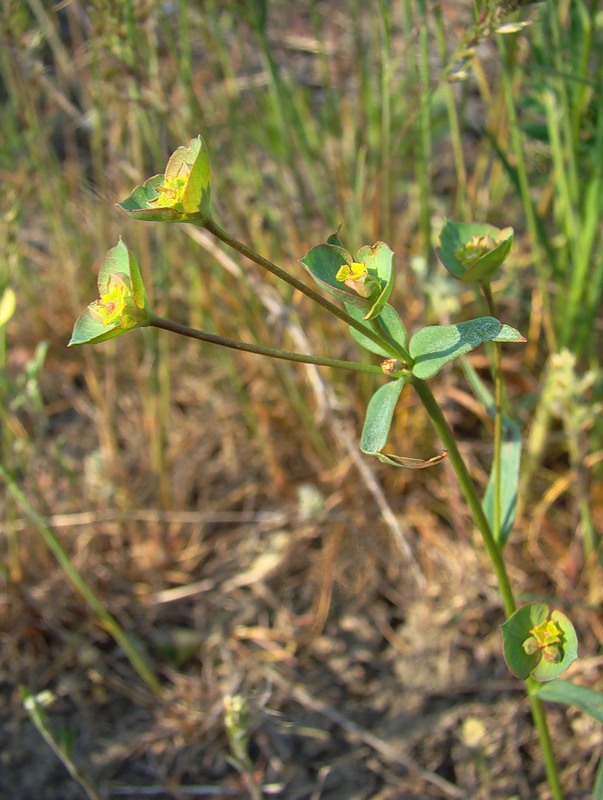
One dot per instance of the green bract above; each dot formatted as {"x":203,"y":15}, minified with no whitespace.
{"x":473,"y":251}
{"x":539,"y":643}
{"x":365,"y":282}
{"x":181,"y":194}
{"x":123,"y":303}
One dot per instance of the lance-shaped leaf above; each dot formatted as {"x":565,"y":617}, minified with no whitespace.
{"x":509,"y":461}
{"x":435,"y":346}
{"x":181,"y":194}
{"x":570,"y":694}
{"x":539,"y":643}
{"x":474,"y":251}
{"x":365,"y":283}
{"x":390,"y":323}
{"x":377,"y":423}
{"x":122,"y":305}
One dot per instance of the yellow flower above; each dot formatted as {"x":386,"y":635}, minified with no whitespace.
{"x":356,"y":277}
{"x":117,"y":303}
{"x":171,"y":192}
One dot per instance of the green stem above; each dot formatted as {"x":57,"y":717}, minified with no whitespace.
{"x":468,"y":489}
{"x":271,"y":352}
{"x":225,"y":237}
{"x":550,"y":763}
{"x":494,"y":552}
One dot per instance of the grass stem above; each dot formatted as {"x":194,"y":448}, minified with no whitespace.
{"x":107,"y":621}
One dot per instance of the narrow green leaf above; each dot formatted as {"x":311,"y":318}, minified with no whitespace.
{"x":379,"y":415}
{"x":435,"y":346}
{"x":570,"y":694}
{"x":377,"y":423}
{"x":390,"y":321}
{"x":510,"y":459}
{"x":362,"y":340}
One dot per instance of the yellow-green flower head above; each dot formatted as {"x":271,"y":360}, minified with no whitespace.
{"x":473,"y":251}
{"x":117,"y":303}
{"x":181,"y":194}
{"x":122,"y":305}
{"x":171,"y":192}
{"x":544,"y":637}
{"x":355,"y":276}
{"x":364,"y":281}
{"x":475,"y":248}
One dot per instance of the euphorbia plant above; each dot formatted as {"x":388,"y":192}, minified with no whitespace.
{"x":539,"y":643}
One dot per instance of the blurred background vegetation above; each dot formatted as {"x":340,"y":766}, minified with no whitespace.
{"x":215,"y":501}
